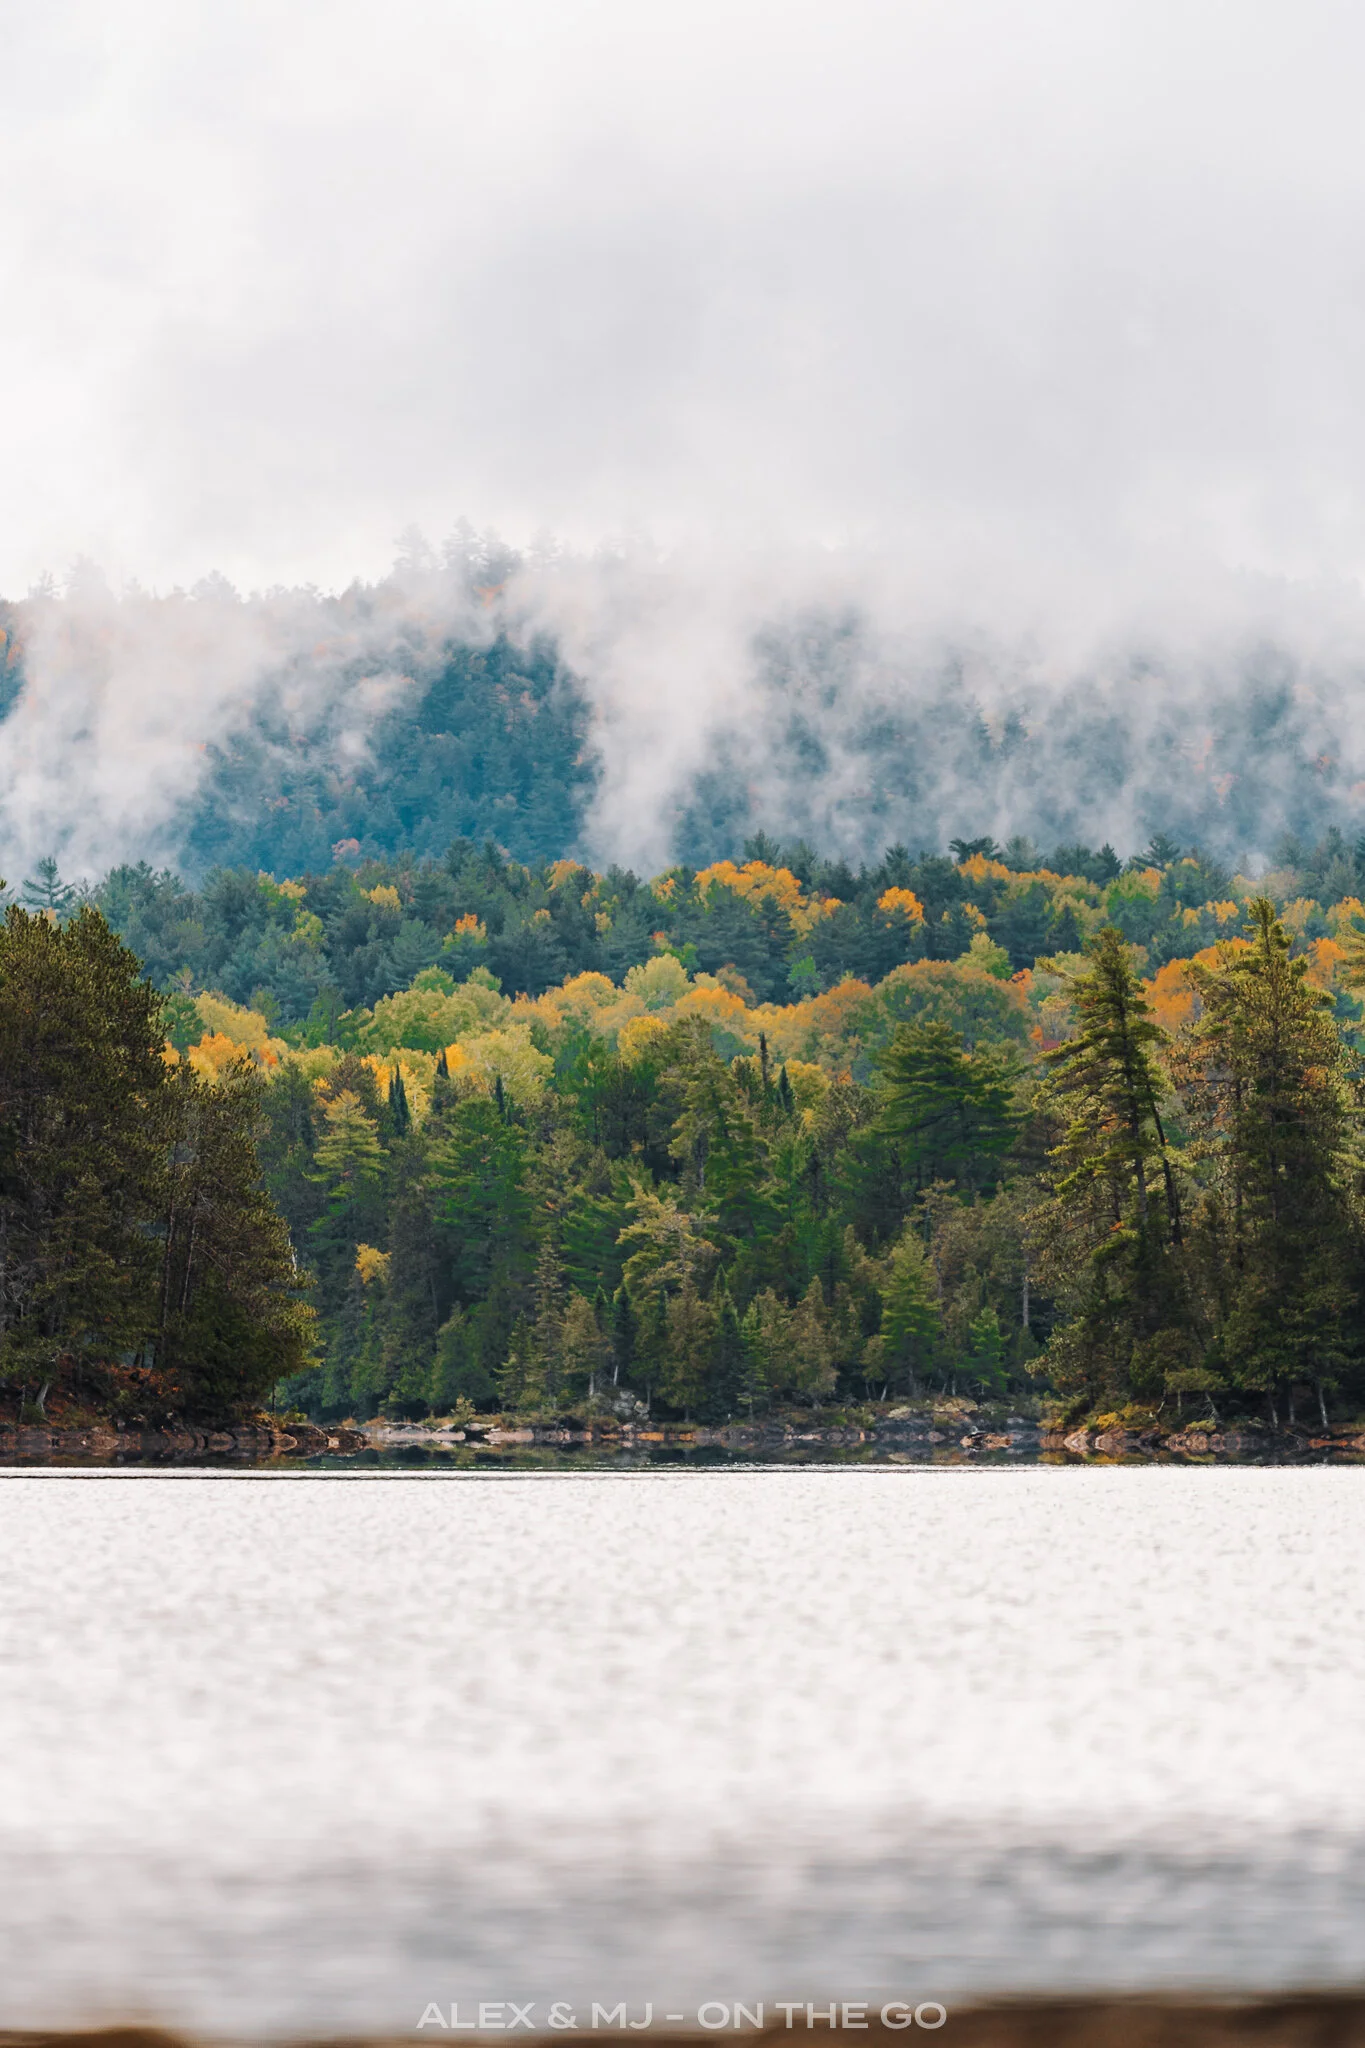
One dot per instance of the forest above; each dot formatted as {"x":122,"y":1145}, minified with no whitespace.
{"x":430,"y":1136}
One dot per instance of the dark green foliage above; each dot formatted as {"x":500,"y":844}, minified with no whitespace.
{"x":1278,"y":1235}
{"x":45,"y":890}
{"x":916,"y":1199}
{"x":144,"y":1265}
{"x":951,"y":1113}
{"x":489,"y":741}
{"x":1114,"y":1218}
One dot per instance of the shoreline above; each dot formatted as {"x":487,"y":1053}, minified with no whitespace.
{"x":900,"y":1437}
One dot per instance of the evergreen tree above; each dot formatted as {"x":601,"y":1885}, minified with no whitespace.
{"x":623,"y":1326}
{"x":909,"y":1337}
{"x":46,"y":891}
{"x":810,"y":1366}
{"x":583,"y":1349}
{"x":950,"y":1112}
{"x":1279,"y":1234}
{"x":725,"y":1381}
{"x":231,"y":1318}
{"x":545,"y":1387}
{"x":984,"y":1364}
{"x":479,"y":1173}
{"x":766,"y":1332}
{"x":786,"y":1099}
{"x":1113,"y":1224}
{"x":83,"y":1128}
{"x":398,"y":1105}
{"x":691,"y":1336}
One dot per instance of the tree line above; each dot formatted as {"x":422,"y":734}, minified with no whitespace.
{"x":1133,"y":1187}
{"x":783,"y":924}
{"x":1141,"y":1225}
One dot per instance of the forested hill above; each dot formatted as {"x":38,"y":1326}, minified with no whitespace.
{"x":488,"y":742}
{"x":389,"y":719}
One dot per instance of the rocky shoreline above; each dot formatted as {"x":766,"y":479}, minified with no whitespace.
{"x":891,"y":1437}
{"x":895,"y":1439}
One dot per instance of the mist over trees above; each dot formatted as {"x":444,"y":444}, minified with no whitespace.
{"x":438,"y":703}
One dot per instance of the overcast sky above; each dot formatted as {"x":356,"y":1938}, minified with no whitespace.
{"x":1076,"y":286}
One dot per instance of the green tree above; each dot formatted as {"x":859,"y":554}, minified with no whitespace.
{"x":584,"y":1349}
{"x":724,"y":1390}
{"x":984,"y":1365}
{"x":231,"y":1321}
{"x":690,"y":1342}
{"x":83,"y":1132}
{"x":479,"y":1171}
{"x":951,"y":1112}
{"x":1111,"y":1226}
{"x":45,"y":891}
{"x":1279,"y":1234}
{"x":908,"y":1342}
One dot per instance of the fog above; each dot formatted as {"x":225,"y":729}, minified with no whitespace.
{"x":1033,"y":333}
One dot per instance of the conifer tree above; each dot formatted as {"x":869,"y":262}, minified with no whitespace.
{"x":909,"y":1337}
{"x":785,"y":1097}
{"x":985,"y":1360}
{"x":691,"y":1336}
{"x":1279,"y":1236}
{"x":623,"y":1325}
{"x":951,"y":1112}
{"x":45,"y":890}
{"x":725,"y":1381}
{"x":398,"y":1105}
{"x":1112,"y":1227}
{"x":231,"y":1317}
{"x":583,"y":1349}
{"x":82,"y":1132}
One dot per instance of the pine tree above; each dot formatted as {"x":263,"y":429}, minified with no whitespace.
{"x":909,"y":1337}
{"x":725,"y":1379}
{"x":583,"y":1349}
{"x":1112,"y":1228}
{"x":786,"y":1100}
{"x":231,"y":1317}
{"x":45,"y":891}
{"x":548,"y":1327}
{"x":811,"y":1367}
{"x":82,"y":1130}
{"x":691,"y":1335}
{"x":623,"y":1326}
{"x":398,"y":1105}
{"x":951,"y":1112}
{"x":1279,"y":1238}
{"x":651,"y":1344}
{"x":985,"y":1360}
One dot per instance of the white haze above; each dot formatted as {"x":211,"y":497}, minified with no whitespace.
{"x":1036,"y":330}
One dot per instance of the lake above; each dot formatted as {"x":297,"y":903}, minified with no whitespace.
{"x":287,"y":1753}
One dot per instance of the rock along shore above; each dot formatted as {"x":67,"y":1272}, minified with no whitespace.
{"x":895,"y":1439}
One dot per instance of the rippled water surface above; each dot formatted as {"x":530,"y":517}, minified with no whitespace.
{"x":291,"y":1754}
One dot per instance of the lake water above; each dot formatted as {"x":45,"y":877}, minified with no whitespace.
{"x":291,"y":1754}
